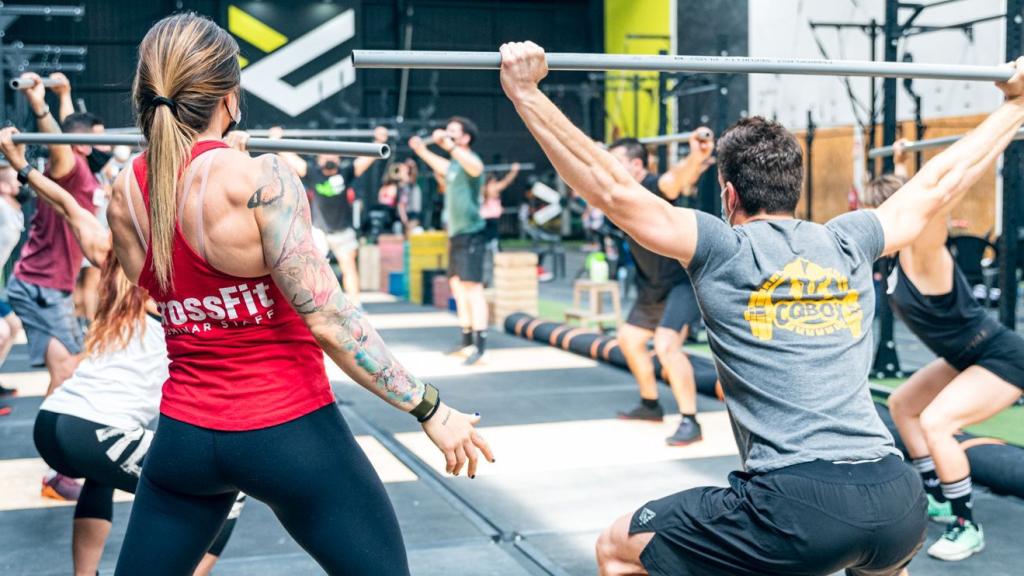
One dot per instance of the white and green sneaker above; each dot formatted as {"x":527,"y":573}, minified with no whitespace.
{"x":941,"y":512}
{"x":961,"y":540}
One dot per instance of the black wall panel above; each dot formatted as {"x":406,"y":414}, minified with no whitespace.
{"x":112,"y":30}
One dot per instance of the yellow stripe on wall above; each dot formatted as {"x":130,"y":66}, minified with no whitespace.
{"x":248,"y":28}
{"x":625,"y":107}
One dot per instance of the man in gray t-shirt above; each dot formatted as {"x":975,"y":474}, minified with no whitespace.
{"x":789,"y":306}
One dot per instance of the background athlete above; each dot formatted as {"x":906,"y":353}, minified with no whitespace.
{"x":813,"y":447}
{"x":94,"y":425}
{"x":979,"y":371}
{"x":467,"y":241}
{"x":665,"y":306}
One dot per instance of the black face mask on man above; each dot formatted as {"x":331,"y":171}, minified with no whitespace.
{"x":330,"y":165}
{"x":97,"y":159}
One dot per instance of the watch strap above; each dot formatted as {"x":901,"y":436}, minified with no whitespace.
{"x":24,"y":172}
{"x":426,"y":408}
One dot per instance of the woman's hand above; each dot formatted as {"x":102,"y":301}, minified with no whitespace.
{"x":238,"y":140}
{"x":454,"y":434}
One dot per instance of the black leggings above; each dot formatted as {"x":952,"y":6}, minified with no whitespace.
{"x":108,"y":458}
{"x":310,"y":471}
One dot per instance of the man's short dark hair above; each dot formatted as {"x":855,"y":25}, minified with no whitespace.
{"x":634,"y":149}
{"x":468,"y":127}
{"x":80,"y":122}
{"x":764,"y":163}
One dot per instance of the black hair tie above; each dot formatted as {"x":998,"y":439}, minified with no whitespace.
{"x":162,"y":101}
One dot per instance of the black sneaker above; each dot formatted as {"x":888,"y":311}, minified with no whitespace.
{"x":475,"y":355}
{"x":6,"y":392}
{"x":687,"y":433}
{"x":460,"y":350}
{"x":642,"y":412}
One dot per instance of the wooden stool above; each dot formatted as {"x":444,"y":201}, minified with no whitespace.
{"x":594,"y":313}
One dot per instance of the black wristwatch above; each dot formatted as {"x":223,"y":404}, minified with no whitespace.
{"x":428,"y":406}
{"x":44,"y":113}
{"x":24,"y":172}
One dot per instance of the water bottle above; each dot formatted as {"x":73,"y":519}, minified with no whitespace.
{"x":597,"y":266}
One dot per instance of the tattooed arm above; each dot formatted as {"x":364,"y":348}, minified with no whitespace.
{"x":282,"y":213}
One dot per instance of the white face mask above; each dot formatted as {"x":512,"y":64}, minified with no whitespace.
{"x":122,"y":153}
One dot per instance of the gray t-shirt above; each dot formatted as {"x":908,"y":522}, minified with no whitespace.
{"x":789,"y":306}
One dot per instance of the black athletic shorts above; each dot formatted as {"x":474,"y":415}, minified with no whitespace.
{"x":677,"y":308}
{"x":815,"y":518}
{"x":466,"y":254}
{"x":1002,"y":355}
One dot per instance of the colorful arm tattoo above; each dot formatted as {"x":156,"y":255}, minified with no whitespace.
{"x":303,"y":275}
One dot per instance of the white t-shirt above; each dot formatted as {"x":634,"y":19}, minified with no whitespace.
{"x":119,"y":388}
{"x":12,"y":224}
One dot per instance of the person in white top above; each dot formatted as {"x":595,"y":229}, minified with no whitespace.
{"x":94,"y":425}
{"x":12,"y":225}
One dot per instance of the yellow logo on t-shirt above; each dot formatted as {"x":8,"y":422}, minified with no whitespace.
{"x":806,"y":299}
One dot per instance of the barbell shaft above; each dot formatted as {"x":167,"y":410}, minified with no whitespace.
{"x":506,"y":167}
{"x":374,"y":150}
{"x":668,"y":63}
{"x":26,"y":82}
{"x":288,"y":133}
{"x":323,"y":133}
{"x":674,"y":138}
{"x":913,"y":146}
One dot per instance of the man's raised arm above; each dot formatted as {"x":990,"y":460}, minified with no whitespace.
{"x":681,"y":178}
{"x":592,"y":172}
{"x":437,"y":164}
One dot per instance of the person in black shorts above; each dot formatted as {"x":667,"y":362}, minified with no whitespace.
{"x":665,"y":306}
{"x":788,"y":306}
{"x":331,"y":183}
{"x":463,"y":174}
{"x":979,"y":371}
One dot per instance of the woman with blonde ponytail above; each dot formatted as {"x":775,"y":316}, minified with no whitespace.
{"x":223,"y":242}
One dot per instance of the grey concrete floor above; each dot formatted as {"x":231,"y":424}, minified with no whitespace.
{"x":448,"y":524}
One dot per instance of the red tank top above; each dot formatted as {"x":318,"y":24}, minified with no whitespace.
{"x":241,"y":357}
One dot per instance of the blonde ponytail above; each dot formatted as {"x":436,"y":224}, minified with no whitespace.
{"x":187,"y":65}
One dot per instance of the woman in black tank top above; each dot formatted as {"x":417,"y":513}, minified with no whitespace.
{"x":978,"y":372}
{"x":952,"y":325}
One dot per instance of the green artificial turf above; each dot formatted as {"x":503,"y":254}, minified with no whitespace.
{"x":552,"y":310}
{"x":1008,"y":425}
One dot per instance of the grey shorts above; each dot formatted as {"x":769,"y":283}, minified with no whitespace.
{"x":45,"y":313}
{"x":343,"y":242}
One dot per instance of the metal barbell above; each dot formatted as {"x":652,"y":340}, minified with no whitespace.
{"x":703,"y":134}
{"x":524,"y":166}
{"x":374,"y":150}
{"x":669,"y":63}
{"x":913,"y":146}
{"x":288,"y":132}
{"x":23,"y":82}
